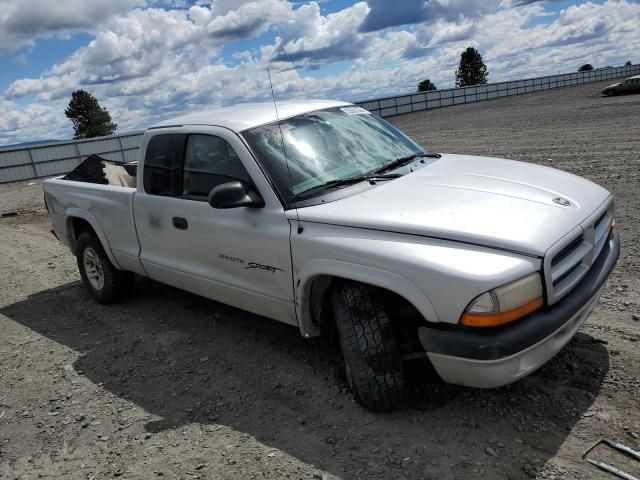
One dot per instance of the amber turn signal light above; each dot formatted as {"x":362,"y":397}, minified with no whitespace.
{"x":500,"y":318}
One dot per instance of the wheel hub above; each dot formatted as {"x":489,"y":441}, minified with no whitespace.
{"x":93,"y":268}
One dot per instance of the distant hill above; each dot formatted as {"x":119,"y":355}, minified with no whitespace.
{"x":27,"y":144}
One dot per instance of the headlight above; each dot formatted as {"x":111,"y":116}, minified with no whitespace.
{"x":505,"y":304}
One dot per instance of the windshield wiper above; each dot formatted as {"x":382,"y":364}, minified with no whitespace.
{"x":398,"y":162}
{"x":346,"y":181}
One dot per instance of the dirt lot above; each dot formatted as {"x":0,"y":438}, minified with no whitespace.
{"x":169,"y":385}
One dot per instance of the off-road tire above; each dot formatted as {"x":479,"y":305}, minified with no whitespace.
{"x":116,"y":284}
{"x":372,"y":361}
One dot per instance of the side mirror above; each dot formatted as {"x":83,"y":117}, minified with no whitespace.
{"x":235,"y":194}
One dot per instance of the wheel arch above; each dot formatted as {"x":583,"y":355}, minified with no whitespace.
{"x":79,"y":221}
{"x":314,"y":282}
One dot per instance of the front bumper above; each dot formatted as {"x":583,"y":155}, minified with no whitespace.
{"x":487,"y":358}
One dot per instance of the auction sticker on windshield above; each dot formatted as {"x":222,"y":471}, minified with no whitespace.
{"x":355,"y":111}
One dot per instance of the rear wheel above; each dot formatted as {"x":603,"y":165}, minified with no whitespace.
{"x":372,"y":361}
{"x":105,"y":283}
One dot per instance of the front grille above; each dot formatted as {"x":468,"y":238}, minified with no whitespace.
{"x":561,"y":278}
{"x":566,"y":251}
{"x":571,"y":258}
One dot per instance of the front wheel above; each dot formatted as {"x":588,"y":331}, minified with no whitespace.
{"x":372,"y":361}
{"x":106,"y":284}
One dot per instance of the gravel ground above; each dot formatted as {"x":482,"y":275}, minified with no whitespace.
{"x":170,"y":385}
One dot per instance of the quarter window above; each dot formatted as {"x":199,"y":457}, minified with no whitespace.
{"x":209,"y":161}
{"x":160,"y":165}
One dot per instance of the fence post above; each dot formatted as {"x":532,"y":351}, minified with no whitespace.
{"x":121,"y":148}
{"x":78,"y":152}
{"x":33,"y":165}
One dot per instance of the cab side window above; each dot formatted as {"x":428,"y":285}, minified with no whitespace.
{"x":161,"y":167}
{"x":209,"y":161}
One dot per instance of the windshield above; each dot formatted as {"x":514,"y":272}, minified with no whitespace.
{"x":325,"y":146}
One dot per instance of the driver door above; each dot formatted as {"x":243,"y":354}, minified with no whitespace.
{"x":238,"y":256}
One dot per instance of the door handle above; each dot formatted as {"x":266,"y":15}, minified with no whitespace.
{"x":180,"y":223}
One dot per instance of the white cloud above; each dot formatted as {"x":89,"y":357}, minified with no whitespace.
{"x":319,"y":38}
{"x":242,"y":19}
{"x":35,"y":122}
{"x":607,"y":31}
{"x":451,"y":32}
{"x":22,"y":21}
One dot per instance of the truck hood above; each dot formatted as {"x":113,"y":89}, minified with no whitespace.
{"x":486,"y":201}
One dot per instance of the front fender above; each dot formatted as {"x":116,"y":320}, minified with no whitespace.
{"x":73,"y":212}
{"x":360,"y":273}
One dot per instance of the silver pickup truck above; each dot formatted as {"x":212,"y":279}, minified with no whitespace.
{"x":330,"y":219}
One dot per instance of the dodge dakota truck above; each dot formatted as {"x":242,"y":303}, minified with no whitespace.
{"x":324,"y":216}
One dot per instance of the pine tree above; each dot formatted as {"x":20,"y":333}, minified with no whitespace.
{"x":426,"y":86}
{"x":472,"y":70}
{"x":88,"y":117}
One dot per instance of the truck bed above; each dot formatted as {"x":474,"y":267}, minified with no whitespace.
{"x":105,"y":203}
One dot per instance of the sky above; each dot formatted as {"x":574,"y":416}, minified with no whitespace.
{"x":149,"y":60}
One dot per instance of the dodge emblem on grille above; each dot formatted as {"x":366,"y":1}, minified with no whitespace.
{"x":562,"y":201}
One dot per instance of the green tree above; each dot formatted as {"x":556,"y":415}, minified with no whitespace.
{"x":472,"y":70}
{"x":586,"y":67}
{"x":88,"y":117}
{"x":426,"y":86}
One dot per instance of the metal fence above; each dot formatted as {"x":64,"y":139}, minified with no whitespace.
{"x":389,"y":106}
{"x":61,"y":157}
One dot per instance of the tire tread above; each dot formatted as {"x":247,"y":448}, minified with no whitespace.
{"x":368,"y":344}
